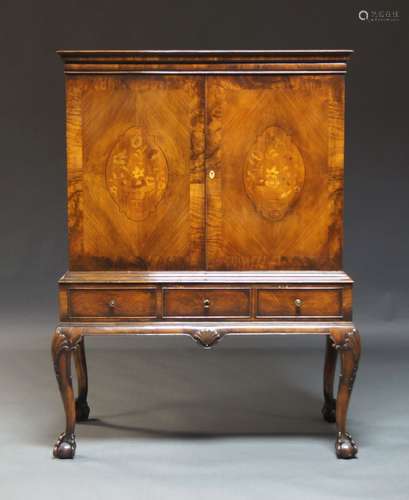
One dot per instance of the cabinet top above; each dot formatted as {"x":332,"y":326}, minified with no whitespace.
{"x":198,"y":61}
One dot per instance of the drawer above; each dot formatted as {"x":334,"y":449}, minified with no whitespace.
{"x":299,"y":302}
{"x":117,"y":303}
{"x":206,"y":302}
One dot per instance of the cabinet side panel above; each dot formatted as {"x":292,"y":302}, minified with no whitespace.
{"x":275,"y":145}
{"x":75,"y":214}
{"x":136,"y":172}
{"x":336,"y":106}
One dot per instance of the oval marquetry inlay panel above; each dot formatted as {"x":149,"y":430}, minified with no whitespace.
{"x":136,"y":174}
{"x":274,"y":173}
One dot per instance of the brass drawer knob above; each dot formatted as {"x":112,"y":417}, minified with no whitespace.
{"x":112,"y":303}
{"x":298,"y":303}
{"x":206,"y":303}
{"x":212,"y":174}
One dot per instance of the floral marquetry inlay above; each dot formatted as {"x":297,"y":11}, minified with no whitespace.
{"x":274,"y":173}
{"x":136,"y":174}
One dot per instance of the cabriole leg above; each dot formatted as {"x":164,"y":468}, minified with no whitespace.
{"x":81,"y":404}
{"x":328,"y":410}
{"x":64,"y":343}
{"x":349,"y":347}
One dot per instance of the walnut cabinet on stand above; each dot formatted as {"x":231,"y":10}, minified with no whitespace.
{"x":205,"y":198}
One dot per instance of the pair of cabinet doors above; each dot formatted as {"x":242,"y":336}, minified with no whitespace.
{"x":217,"y":172}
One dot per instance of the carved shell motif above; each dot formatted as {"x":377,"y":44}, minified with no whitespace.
{"x":274,"y":174}
{"x":136,"y":174}
{"x":207,"y":338}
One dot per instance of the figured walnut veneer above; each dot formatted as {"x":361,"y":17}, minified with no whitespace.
{"x":205,"y":198}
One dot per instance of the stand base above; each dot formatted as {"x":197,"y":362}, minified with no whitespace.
{"x":343,"y":338}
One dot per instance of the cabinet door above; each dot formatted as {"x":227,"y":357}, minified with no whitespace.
{"x":135,"y":172}
{"x":274,"y":172}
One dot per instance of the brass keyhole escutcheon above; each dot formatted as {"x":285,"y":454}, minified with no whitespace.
{"x":298,"y":304}
{"x":212,"y":174}
{"x":206,"y":303}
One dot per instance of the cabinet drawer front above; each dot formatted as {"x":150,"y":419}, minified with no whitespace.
{"x":96,"y":303}
{"x":206,"y":302}
{"x":299,"y":302}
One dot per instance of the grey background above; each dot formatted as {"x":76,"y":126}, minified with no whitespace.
{"x":173,"y":421}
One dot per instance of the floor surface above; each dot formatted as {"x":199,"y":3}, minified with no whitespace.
{"x":173,"y":421}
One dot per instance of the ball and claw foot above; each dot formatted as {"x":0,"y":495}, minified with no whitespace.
{"x":81,"y":410}
{"x":345,"y":446}
{"x":329,"y":411}
{"x":65,"y":446}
